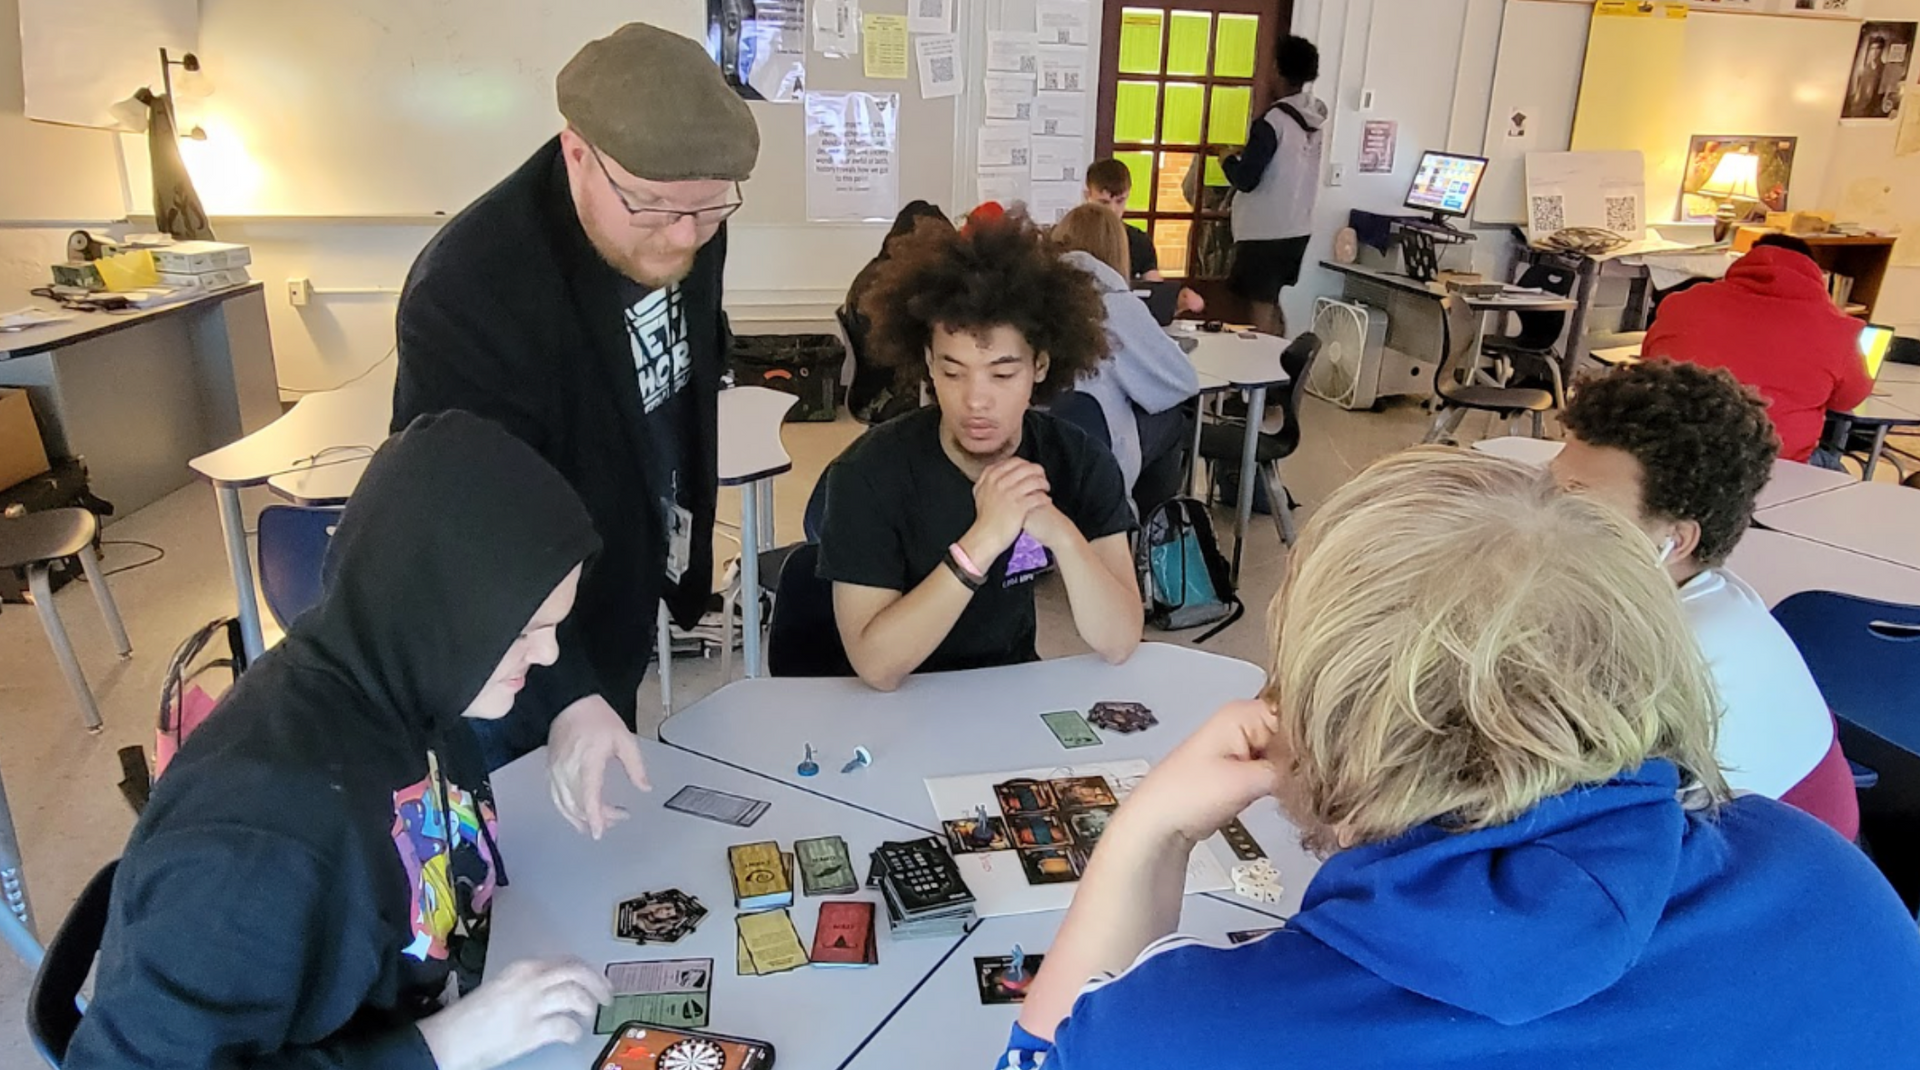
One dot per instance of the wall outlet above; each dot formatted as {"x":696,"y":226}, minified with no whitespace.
{"x":300,"y":292}
{"x":1366,"y":100}
{"x":1337,"y":174}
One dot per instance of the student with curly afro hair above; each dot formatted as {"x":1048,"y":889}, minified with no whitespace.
{"x":1684,"y":451}
{"x":938,"y":522}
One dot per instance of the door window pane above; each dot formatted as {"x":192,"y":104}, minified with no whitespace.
{"x":1140,"y":40}
{"x":1140,"y":165}
{"x":1170,"y":241}
{"x":1136,"y":108}
{"x":1227,"y":118}
{"x":1234,"y":44}
{"x":1187,"y":43}
{"x":1173,"y":174}
{"x":1181,"y":125}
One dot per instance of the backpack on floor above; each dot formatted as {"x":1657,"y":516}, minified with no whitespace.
{"x":1184,"y":579}
{"x":183,"y":704}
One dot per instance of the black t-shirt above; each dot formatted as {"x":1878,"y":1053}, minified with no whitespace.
{"x":896,"y":502}
{"x":1141,"y":257}
{"x":656,"y":329}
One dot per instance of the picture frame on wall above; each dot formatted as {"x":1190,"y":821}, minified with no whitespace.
{"x":1881,"y":62}
{"x":1773,"y":174}
{"x":1822,"y":9}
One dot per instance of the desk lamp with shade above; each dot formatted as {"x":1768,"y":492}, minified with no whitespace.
{"x":1735,"y":178}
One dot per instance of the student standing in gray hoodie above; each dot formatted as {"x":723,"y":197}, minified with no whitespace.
{"x":1277,"y":176}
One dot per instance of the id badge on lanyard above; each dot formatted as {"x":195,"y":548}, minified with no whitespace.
{"x":679,"y":535}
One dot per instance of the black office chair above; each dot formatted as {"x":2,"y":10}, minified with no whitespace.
{"x":802,"y":638}
{"x":1540,"y":332}
{"x":1456,"y":391}
{"x":1222,"y":442}
{"x":53,"y":1006}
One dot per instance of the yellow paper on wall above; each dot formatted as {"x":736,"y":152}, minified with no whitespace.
{"x":1636,"y":54}
{"x":884,"y":45}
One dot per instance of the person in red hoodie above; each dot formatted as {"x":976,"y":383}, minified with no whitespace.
{"x":1773,"y":325}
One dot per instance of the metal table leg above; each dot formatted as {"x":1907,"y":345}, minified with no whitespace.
{"x":750,"y":579}
{"x":233,"y":527}
{"x":1873,"y":455}
{"x":16,"y":921}
{"x":1249,"y":446}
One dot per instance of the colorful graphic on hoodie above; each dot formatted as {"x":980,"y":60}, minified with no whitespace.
{"x":450,"y":866}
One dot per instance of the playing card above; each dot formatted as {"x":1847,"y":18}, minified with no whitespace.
{"x":771,"y":941}
{"x":1089,"y":825}
{"x":1071,"y":729}
{"x":1050,"y":865}
{"x":990,"y":975}
{"x":1023,"y":796}
{"x":670,"y":993}
{"x":721,"y":806}
{"x":960,"y":835}
{"x":826,"y":867}
{"x":1039,"y":830}
{"x":760,"y":875}
{"x":843,"y":935}
{"x":1078,"y":793}
{"x":1245,"y":935}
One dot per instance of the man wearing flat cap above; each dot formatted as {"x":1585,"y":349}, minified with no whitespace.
{"x":577,"y":303}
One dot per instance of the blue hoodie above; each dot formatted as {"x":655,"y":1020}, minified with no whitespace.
{"x":1606,"y":927}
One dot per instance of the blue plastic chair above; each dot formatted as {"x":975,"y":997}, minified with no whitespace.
{"x":1865,"y":655}
{"x":293,"y":544}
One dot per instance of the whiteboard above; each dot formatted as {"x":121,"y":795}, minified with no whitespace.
{"x":1741,"y":74}
{"x":1542,"y":47}
{"x":373,"y":109}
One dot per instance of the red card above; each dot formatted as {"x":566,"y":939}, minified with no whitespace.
{"x":844,"y":934}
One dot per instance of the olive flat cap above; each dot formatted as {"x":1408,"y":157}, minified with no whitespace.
{"x":657,"y":105}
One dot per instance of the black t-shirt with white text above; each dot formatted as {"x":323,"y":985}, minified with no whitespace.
{"x":663,"y":364}
{"x":896,"y":502}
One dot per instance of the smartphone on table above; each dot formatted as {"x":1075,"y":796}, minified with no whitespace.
{"x":639,"y":1046}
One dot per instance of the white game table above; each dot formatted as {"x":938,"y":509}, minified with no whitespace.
{"x":1790,"y":482}
{"x":981,"y":721}
{"x":1777,"y":565}
{"x":564,"y":886}
{"x":944,"y":1026}
{"x":1246,"y":361}
{"x":1880,"y":520}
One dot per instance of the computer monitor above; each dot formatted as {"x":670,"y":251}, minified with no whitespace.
{"x":1875,"y":341}
{"x":1445,"y":183}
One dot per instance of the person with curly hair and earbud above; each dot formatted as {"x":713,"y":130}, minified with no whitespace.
{"x":938,"y":522}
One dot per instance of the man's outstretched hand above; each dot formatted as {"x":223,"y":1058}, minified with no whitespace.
{"x":584,"y":738}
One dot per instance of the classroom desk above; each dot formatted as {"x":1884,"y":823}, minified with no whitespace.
{"x":751,"y":454}
{"x":1878,"y":520}
{"x":985,"y":720}
{"x":139,"y":394}
{"x":1777,"y":566}
{"x":1790,"y":481}
{"x":1893,"y":404}
{"x":944,"y":1026}
{"x":563,"y":887}
{"x":1246,"y":361}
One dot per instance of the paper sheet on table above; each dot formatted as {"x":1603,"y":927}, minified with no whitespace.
{"x":1013,"y":52}
{"x":930,"y":16}
{"x":1058,"y":159}
{"x":1060,"y":114}
{"x":836,"y":28}
{"x":1063,"y":67}
{"x":1010,"y":96}
{"x":998,"y":882}
{"x":853,"y":157}
{"x":1005,"y":146}
{"x":22,"y":318}
{"x":1063,"y":22}
{"x":1006,"y":185}
{"x":884,"y":52}
{"x":1051,"y":200}
{"x":939,"y":56}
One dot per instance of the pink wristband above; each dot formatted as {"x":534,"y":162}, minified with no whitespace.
{"x":960,"y":558}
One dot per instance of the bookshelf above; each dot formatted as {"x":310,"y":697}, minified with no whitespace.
{"x":1862,"y":258}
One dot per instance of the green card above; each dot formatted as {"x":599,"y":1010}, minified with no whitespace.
{"x":1071,"y":729}
{"x":668,"y":1010}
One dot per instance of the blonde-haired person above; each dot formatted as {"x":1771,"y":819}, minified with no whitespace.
{"x":1134,"y":400}
{"x":1486,"y":710}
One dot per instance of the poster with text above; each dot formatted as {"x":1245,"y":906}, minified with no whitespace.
{"x":853,"y":157}
{"x":1881,"y":61}
{"x":1377,"y":139}
{"x":761,"y":45}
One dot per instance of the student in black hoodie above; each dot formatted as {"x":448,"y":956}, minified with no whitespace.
{"x":578,"y":305}
{"x":314,"y":875}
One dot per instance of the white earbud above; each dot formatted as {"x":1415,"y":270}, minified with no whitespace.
{"x":1666,"y":549}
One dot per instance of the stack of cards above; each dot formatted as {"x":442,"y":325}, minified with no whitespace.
{"x":762,"y":876}
{"x":657,"y":918}
{"x":768,"y":943}
{"x":826,"y":868}
{"x":922,"y":888}
{"x":671,"y":994}
{"x":843,"y":937}
{"x":1122,"y":717}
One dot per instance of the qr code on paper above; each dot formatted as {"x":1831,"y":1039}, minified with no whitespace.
{"x":1549,"y":214}
{"x":1623,"y":214}
{"x":931,"y":9}
{"x":942,"y":69}
{"x":1020,"y":158}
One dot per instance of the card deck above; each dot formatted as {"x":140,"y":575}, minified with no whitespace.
{"x":1122,"y":717}
{"x":1050,"y":865}
{"x":1241,"y":842}
{"x":960,"y":838}
{"x":1024,"y":796}
{"x":1081,"y":792}
{"x":770,"y":942}
{"x":724,"y":807}
{"x":671,"y":993}
{"x":826,"y":867}
{"x":990,"y":972}
{"x":1039,"y":830}
{"x":843,"y":935}
{"x":761,"y":875}
{"x":1247,"y":935}
{"x":1089,"y":825}
{"x":657,"y":917}
{"x":1071,"y":729}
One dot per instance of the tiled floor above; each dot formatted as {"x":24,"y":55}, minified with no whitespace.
{"x":62,"y":781}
